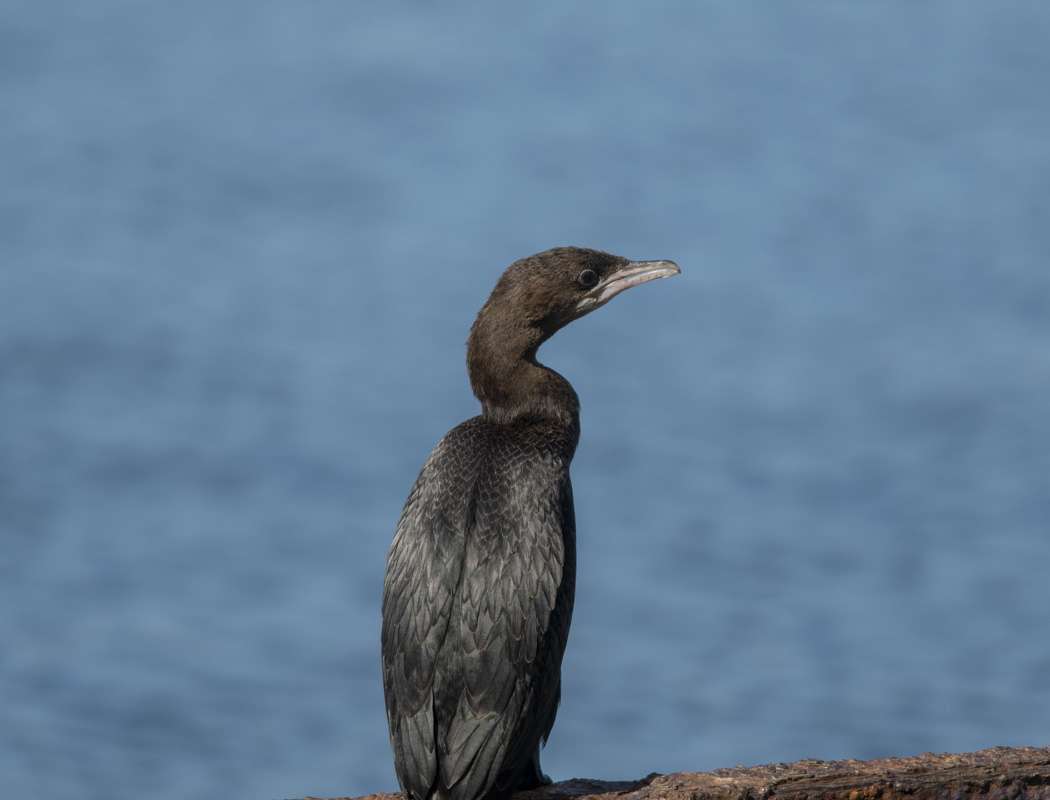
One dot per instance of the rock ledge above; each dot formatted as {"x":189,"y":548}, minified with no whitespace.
{"x":1001,"y":773}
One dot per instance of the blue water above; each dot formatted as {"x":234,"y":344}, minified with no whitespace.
{"x":241,"y":245}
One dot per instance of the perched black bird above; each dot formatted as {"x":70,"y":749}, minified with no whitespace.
{"x":481,"y":573}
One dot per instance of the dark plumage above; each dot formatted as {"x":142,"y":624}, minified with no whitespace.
{"x":480,"y":576}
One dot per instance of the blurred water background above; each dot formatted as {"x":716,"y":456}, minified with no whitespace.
{"x":241,"y":245}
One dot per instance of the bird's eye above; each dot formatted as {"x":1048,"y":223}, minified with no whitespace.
{"x":588,"y":278}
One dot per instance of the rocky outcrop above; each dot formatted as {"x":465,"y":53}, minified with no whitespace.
{"x":1021,"y":773}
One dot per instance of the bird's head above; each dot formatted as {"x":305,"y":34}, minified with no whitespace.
{"x":548,"y":290}
{"x":532,"y":300}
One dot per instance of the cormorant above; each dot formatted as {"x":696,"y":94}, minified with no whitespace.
{"x":480,"y":577}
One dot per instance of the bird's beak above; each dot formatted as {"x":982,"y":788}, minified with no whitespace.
{"x":632,"y":274}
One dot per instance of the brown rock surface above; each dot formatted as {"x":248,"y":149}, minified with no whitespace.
{"x":1002,"y":772}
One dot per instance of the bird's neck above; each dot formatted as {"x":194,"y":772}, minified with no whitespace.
{"x":507,"y":379}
